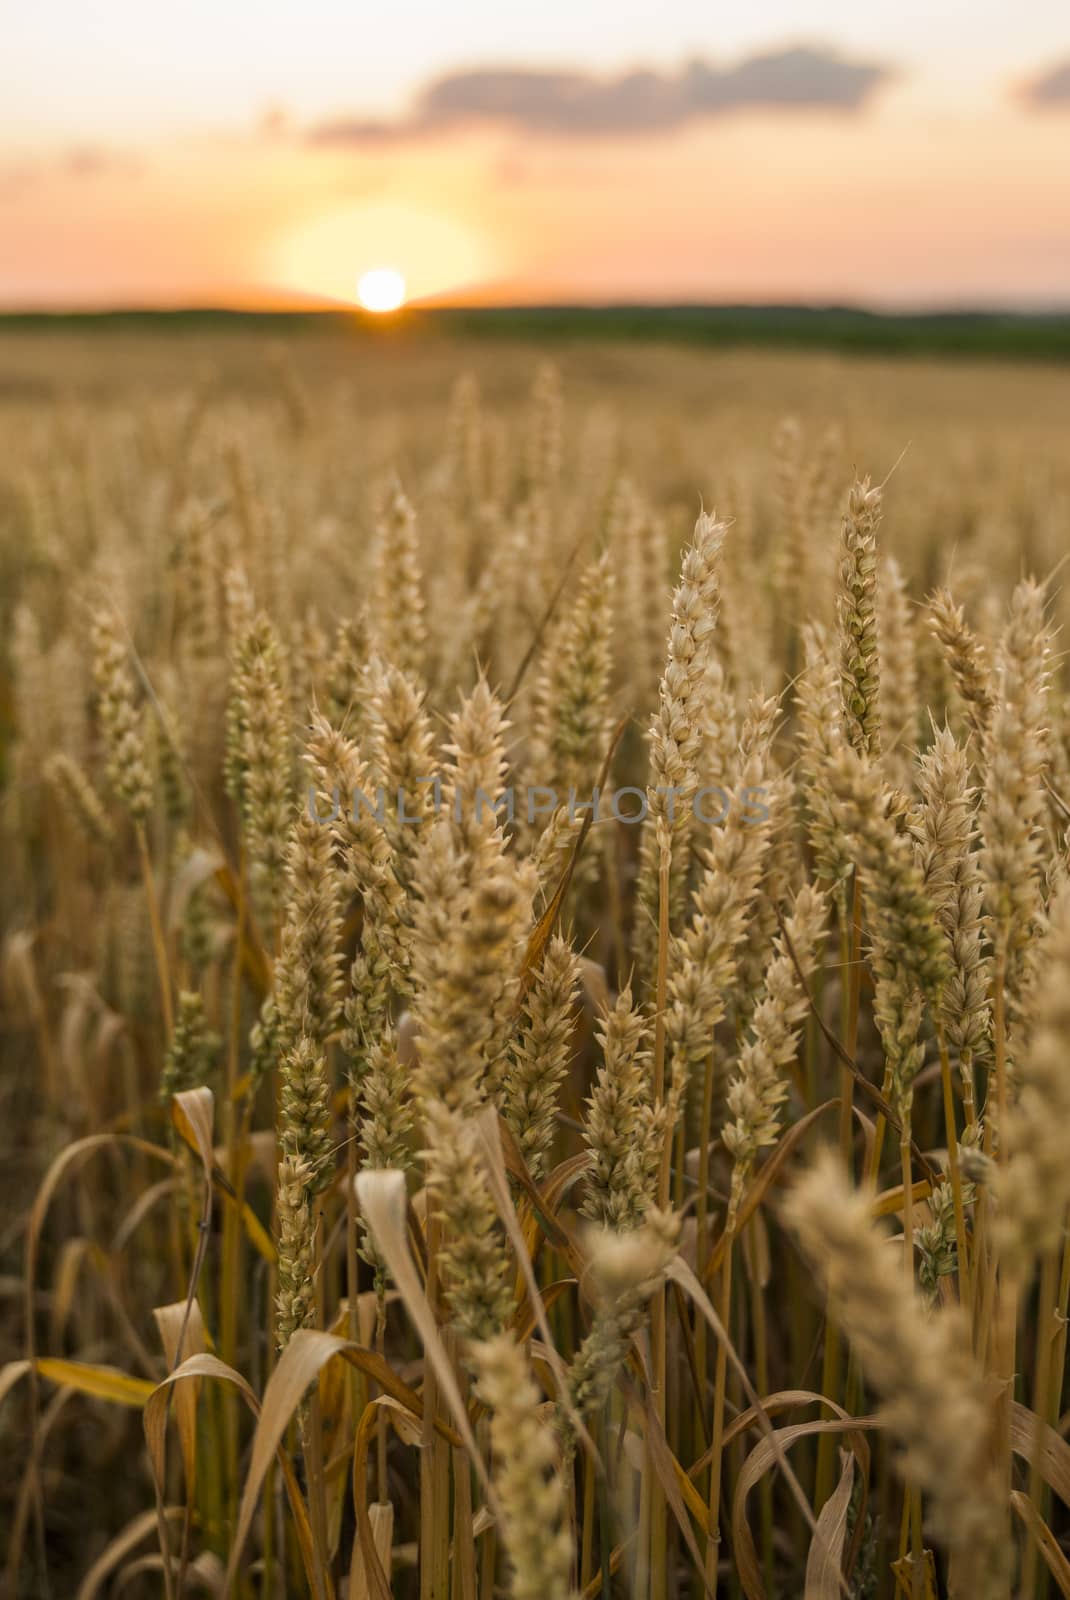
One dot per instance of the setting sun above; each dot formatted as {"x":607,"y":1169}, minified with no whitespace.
{"x":381,"y":289}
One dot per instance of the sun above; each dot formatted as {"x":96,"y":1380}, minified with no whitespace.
{"x":381,"y":289}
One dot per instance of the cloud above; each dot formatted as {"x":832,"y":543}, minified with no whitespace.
{"x":91,"y":161}
{"x":16,"y":177}
{"x":640,"y":102}
{"x":273,"y":122}
{"x":79,"y":163}
{"x":1050,"y":88}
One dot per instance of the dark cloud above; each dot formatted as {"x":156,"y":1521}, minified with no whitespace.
{"x":643,"y":101}
{"x":1050,"y":88}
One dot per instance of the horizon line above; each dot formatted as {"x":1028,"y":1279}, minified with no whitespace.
{"x":990,"y":309}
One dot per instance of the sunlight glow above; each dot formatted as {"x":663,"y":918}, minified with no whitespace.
{"x":381,"y":289}
{"x":340,"y":254}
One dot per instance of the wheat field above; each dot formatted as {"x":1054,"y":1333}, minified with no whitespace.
{"x":536,"y":971}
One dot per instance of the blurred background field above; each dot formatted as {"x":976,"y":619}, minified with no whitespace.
{"x":1006,"y":373}
{"x":975,"y":443}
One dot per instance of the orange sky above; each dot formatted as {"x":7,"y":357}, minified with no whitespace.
{"x":903,"y":180}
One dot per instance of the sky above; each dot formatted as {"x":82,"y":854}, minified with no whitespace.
{"x":256,"y":153}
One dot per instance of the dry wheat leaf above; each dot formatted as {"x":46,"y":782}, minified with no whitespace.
{"x":1050,"y":1549}
{"x":101,"y":1383}
{"x":772,"y":1450}
{"x":155,"y":1426}
{"x":383,"y":1203}
{"x":113,"y":1554}
{"x":175,"y":1323}
{"x":825,"y":1560}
